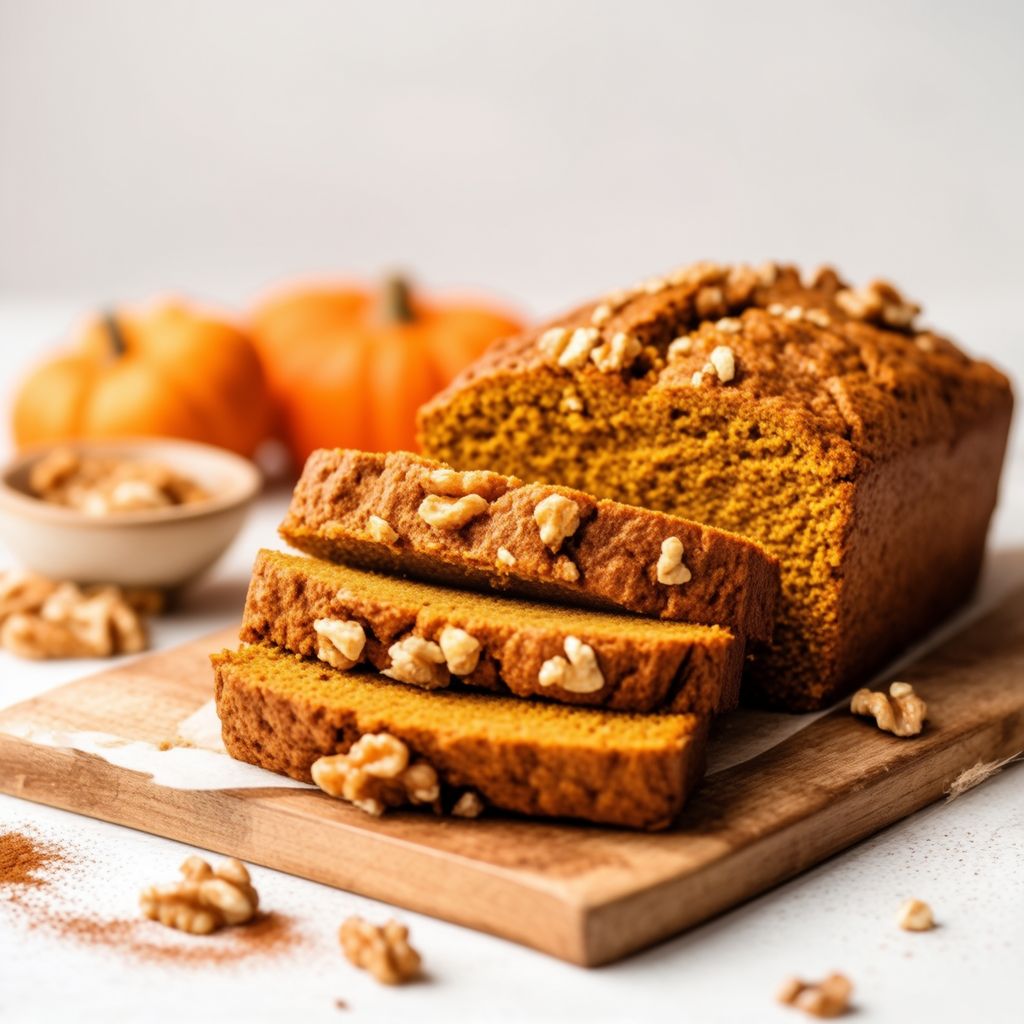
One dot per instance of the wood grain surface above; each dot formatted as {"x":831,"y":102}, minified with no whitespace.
{"x":586,"y":894}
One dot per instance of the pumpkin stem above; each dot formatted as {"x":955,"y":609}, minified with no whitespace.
{"x":396,"y":300}
{"x":118,"y":345}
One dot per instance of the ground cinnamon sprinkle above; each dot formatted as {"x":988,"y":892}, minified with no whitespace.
{"x":33,"y":874}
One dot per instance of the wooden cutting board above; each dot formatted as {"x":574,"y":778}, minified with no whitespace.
{"x":588,"y":895}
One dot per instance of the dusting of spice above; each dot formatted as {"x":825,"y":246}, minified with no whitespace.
{"x":32,"y":895}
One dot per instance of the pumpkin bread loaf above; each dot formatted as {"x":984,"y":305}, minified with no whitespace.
{"x":281,"y":712}
{"x":435,"y":636}
{"x":400,"y":513}
{"x":811,"y":416}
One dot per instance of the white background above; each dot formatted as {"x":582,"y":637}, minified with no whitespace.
{"x":543,"y":152}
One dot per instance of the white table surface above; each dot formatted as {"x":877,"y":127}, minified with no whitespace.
{"x":966,"y":858}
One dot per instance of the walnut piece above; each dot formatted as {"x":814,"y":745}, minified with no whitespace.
{"x":723,"y":362}
{"x":553,"y":341}
{"x":879,"y":303}
{"x":380,"y":530}
{"x":417,"y":661}
{"x":23,"y":591}
{"x":580,"y":674}
{"x":340,"y":642}
{"x":558,"y":517}
{"x":451,"y":513}
{"x":461,"y":650}
{"x":681,"y":346}
{"x":375,"y":773}
{"x":505,"y":557}
{"x":902,"y":712}
{"x":618,"y":354}
{"x":671,"y":570}
{"x":577,"y":350}
{"x":828,"y":998}
{"x":383,"y":950}
{"x":63,"y":620}
{"x":915,"y":916}
{"x":205,"y":900}
{"x":469,"y":805}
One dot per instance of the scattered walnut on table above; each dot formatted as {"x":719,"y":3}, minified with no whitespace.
{"x":375,"y":774}
{"x":205,"y":900}
{"x":63,"y":620}
{"x":901,"y":712}
{"x":915,"y":916}
{"x":828,"y":998}
{"x":383,"y":950}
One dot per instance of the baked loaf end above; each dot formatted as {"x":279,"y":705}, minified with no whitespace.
{"x":404,"y":514}
{"x":811,"y":416}
{"x":638,"y":664}
{"x":283,"y":713}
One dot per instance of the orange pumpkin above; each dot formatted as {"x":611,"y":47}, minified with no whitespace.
{"x":170,"y":371}
{"x":348,"y":367}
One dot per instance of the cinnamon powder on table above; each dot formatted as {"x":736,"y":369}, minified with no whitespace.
{"x":36,"y":890}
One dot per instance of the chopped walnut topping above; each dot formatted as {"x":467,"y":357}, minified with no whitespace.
{"x":580,"y":674}
{"x":505,"y":558}
{"x":205,"y":901}
{"x":654,"y":285}
{"x":382,"y":950}
{"x":601,"y":315}
{"x":697,"y":379}
{"x":451,"y":513}
{"x":915,"y":916}
{"x":617,"y":298}
{"x":339,"y":643}
{"x":879,"y":303}
{"x":553,"y":341}
{"x":724,"y":363}
{"x":558,"y":517}
{"x":571,"y":402}
{"x":618,"y":354}
{"x":794,"y":313}
{"x":375,"y":773}
{"x":767,"y":274}
{"x":828,"y":998}
{"x":729,"y":325}
{"x":455,"y":484}
{"x":925,"y":342}
{"x":671,"y":570}
{"x":818,"y":317}
{"x":776,"y":309}
{"x":418,"y":662}
{"x":566,"y":569}
{"x":23,"y":591}
{"x":577,"y":352}
{"x":740,"y":283}
{"x":680,"y":347}
{"x":710,"y":301}
{"x":461,"y":650}
{"x":902,"y":712}
{"x":380,"y":530}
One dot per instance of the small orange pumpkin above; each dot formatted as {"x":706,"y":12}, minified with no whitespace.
{"x":171,"y":371}
{"x":348,"y":367}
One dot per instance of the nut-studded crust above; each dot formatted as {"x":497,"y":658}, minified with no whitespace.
{"x":646,"y":665}
{"x":283,"y":713}
{"x":609,"y":560}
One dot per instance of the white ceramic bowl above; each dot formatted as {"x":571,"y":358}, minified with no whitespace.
{"x":165,"y":547}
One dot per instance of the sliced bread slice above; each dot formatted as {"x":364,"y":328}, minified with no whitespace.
{"x":347,"y":616}
{"x":284,"y":713}
{"x":400,"y":513}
